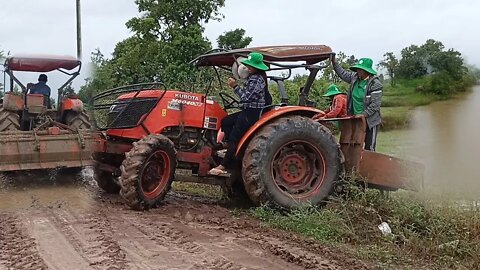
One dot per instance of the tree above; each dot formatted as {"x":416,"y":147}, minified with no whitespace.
{"x":328,"y":74}
{"x":68,"y":90}
{"x":234,"y":39}
{"x":390,"y":63}
{"x":167,"y":36}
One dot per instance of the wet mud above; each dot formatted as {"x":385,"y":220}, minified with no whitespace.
{"x":46,"y":223}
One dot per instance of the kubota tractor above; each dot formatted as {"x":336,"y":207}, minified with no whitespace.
{"x":34,"y":136}
{"x":286,"y":158}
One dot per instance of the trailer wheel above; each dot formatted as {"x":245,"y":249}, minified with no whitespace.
{"x":9,"y":121}
{"x":148,"y":171}
{"x":290,"y":162}
{"x":77,"y":120}
{"x":106,"y":181}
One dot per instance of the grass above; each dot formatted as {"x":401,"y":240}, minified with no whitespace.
{"x":204,"y":190}
{"x":432,"y":233}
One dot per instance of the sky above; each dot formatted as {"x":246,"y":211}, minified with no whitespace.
{"x":364,"y":28}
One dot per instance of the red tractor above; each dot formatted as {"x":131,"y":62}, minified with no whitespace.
{"x":32,"y":134}
{"x":286,"y":158}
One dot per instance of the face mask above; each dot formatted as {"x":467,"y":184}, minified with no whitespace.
{"x":243,"y":71}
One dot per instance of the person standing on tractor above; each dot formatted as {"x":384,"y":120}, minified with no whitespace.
{"x":364,"y":95}
{"x":41,"y":88}
{"x":253,"y":98}
{"x":338,"y":104}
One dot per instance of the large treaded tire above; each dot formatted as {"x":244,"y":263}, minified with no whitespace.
{"x":105,"y":180}
{"x":9,"y":121}
{"x":147,"y":157}
{"x":294,"y":142}
{"x":235,"y":191}
{"x":78,"y":120}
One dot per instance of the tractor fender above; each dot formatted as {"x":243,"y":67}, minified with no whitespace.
{"x":270,"y":116}
{"x":75,"y":105}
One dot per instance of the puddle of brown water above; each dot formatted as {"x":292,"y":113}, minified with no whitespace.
{"x":26,"y":190}
{"x":447,"y":140}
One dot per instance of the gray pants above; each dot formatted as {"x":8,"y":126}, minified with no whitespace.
{"x":371,"y":138}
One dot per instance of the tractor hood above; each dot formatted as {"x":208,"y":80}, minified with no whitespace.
{"x":311,"y":54}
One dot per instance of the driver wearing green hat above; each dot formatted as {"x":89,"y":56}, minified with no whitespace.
{"x":364,"y":95}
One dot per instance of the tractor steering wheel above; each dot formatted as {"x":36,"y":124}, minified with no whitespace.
{"x":228,"y":101}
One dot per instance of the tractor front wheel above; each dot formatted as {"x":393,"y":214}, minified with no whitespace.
{"x":148,"y":171}
{"x":290,"y":162}
{"x":106,"y":181}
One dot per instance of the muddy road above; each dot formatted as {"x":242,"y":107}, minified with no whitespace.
{"x":47,"y":223}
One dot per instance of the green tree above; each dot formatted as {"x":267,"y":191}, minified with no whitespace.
{"x":68,"y":90}
{"x":329,"y":75}
{"x":234,"y":39}
{"x":390,"y":63}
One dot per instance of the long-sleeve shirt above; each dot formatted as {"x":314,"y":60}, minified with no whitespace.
{"x":372,"y":99}
{"x":253,"y":93}
{"x":338,"y":107}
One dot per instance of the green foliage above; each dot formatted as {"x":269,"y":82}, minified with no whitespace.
{"x":390,"y":63}
{"x":234,"y":39}
{"x":167,"y":36}
{"x":423,"y":229}
{"x":68,"y":90}
{"x":328,"y":74}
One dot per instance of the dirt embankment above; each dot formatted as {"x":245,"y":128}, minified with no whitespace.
{"x":72,"y":225}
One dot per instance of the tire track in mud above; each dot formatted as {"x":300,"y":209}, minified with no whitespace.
{"x":288,"y":247}
{"x":17,"y":249}
{"x":92,"y":237}
{"x":187,"y":246}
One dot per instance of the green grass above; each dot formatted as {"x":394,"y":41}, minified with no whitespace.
{"x":424,"y":231}
{"x":203,"y":190}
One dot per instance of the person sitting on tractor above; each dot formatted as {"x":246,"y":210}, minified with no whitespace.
{"x":41,"y":88}
{"x":364,"y":95}
{"x":338,"y":104}
{"x":253,"y":98}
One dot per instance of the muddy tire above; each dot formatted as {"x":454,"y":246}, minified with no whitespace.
{"x":290,"y":162}
{"x":78,"y":120}
{"x":9,"y":121}
{"x":148,"y":171}
{"x":106,"y":181}
{"x":235,"y":191}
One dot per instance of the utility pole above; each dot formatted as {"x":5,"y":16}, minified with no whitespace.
{"x":79,"y":32}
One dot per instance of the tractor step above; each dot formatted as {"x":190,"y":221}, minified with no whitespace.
{"x":194,"y":178}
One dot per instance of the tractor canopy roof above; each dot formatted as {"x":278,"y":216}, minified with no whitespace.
{"x":311,"y":54}
{"x":41,"y":63}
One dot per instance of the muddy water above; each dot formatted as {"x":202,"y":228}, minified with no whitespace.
{"x":446,"y":138}
{"x":44,"y":189}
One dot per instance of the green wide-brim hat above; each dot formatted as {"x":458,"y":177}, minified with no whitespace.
{"x":332,"y":90}
{"x":255,"y":60}
{"x":365,"y":64}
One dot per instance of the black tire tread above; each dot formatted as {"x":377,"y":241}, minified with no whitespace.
{"x":9,"y":121}
{"x":258,"y":147}
{"x":132,"y":166}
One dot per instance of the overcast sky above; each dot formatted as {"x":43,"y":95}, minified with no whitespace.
{"x":365,"y":28}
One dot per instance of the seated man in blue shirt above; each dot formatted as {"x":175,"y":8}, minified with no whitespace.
{"x":41,"y":88}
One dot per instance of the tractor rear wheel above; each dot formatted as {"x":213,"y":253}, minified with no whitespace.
{"x":106,"y":181}
{"x":9,"y":121}
{"x":290,"y":162}
{"x":77,"y":120}
{"x":148,"y":171}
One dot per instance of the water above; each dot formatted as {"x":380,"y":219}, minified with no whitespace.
{"x":446,"y":138}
